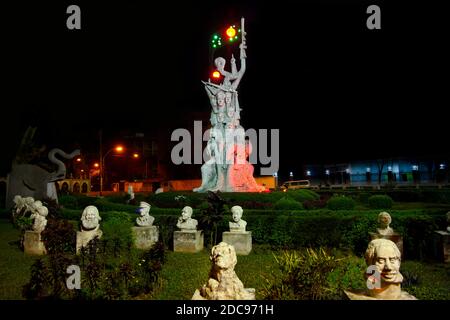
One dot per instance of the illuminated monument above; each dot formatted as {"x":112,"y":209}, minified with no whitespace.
{"x":227,"y":168}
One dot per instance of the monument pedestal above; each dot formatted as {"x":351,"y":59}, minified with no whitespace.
{"x":241,"y":241}
{"x":395,"y":237}
{"x":83,"y":238}
{"x":442,"y":245}
{"x":33,"y":243}
{"x":188,"y":241}
{"x":145,"y":237}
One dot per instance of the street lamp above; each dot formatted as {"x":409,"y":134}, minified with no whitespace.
{"x":102,"y":165}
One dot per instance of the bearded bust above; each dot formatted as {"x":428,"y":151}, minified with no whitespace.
{"x":90,"y":219}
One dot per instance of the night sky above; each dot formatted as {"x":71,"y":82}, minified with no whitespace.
{"x":336,"y":90}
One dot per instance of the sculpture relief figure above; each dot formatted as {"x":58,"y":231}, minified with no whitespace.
{"x":145,"y":219}
{"x":31,"y":180}
{"x":223,"y":283}
{"x":237,"y":225}
{"x":185,"y":222}
{"x":23,"y":205}
{"x":385,"y":256}
{"x":39,"y":215}
{"x":384,"y":220}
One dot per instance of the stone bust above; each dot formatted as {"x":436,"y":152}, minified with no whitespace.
{"x":384,"y":257}
{"x":145,"y":219}
{"x":90,"y":219}
{"x":185,"y":222}
{"x":237,"y":225}
{"x":384,"y":220}
{"x":223,"y":283}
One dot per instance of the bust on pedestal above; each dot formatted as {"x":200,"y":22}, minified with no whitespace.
{"x":384,"y":283}
{"x":384,"y":231}
{"x":442,"y":244}
{"x":189,"y":239}
{"x":240,"y":239}
{"x":32,"y":240}
{"x":146,"y":234}
{"x":90,"y":227}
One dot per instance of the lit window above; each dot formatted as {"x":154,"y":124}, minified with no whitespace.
{"x":367,"y":169}
{"x":308,"y":173}
{"x":415,"y":167}
{"x":442,"y":166}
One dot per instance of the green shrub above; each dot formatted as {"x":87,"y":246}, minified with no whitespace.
{"x":341,"y":203}
{"x":380,"y":202}
{"x":304,"y":276}
{"x":117,"y":235}
{"x":302,"y":195}
{"x":287,"y":203}
{"x":68,"y":201}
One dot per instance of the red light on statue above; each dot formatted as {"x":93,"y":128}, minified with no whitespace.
{"x":231,"y":32}
{"x":216,"y":74}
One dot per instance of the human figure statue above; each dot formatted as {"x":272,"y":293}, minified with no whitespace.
{"x":145,"y":219}
{"x":237,"y":225}
{"x":223,"y":283}
{"x":90,"y":219}
{"x":185,"y":222}
{"x":385,"y":283}
{"x":130,"y":194}
{"x":209,"y":168}
{"x":384,"y":220}
{"x":225,"y":119}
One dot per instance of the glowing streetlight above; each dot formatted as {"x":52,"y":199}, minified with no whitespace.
{"x":102,"y":164}
{"x":135,"y":155}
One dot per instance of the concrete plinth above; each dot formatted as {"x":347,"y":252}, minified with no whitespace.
{"x":396,"y":238}
{"x":241,"y":241}
{"x":188,"y":241}
{"x":83,"y":238}
{"x":442,"y":246}
{"x":33,"y":243}
{"x":145,"y":237}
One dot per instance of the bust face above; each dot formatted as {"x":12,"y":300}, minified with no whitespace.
{"x":223,"y":256}
{"x":144,"y":211}
{"x":186,"y":213}
{"x":237,"y":215}
{"x":388,"y":264}
{"x":220,"y":99}
{"x":90,"y":218}
{"x":384,"y":219}
{"x":220,"y":63}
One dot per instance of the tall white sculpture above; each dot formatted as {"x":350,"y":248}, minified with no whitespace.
{"x":227,"y":169}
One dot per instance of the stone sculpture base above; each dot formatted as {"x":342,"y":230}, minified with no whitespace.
{"x":396,"y":238}
{"x":241,"y":241}
{"x":188,"y":241}
{"x":83,"y":238}
{"x":33,"y":243}
{"x":442,"y":246}
{"x":145,"y":237}
{"x":363,"y":295}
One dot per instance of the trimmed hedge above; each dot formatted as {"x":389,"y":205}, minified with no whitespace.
{"x":341,"y":203}
{"x":287,"y":203}
{"x":346,"y":229}
{"x":380,"y":202}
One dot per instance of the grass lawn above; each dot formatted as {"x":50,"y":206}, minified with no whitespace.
{"x":14,"y":264}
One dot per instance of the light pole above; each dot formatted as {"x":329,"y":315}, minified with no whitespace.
{"x":102,"y":165}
